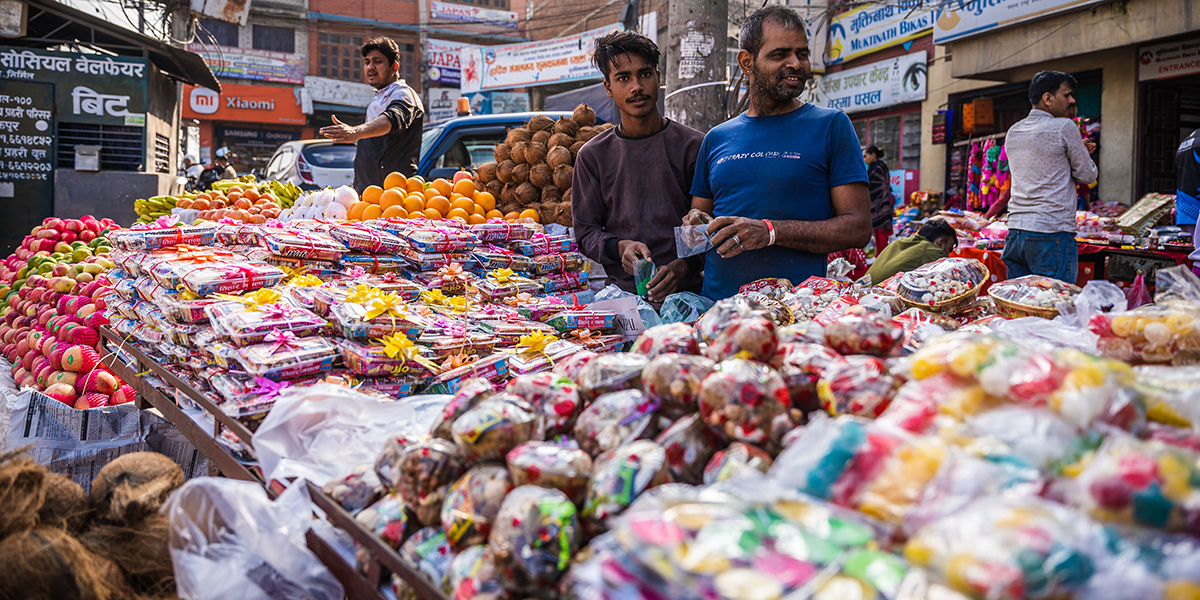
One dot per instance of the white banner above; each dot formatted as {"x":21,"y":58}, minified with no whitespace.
{"x":876,"y":26}
{"x":884,"y":83}
{"x":443,"y":57}
{"x":443,"y":105}
{"x":1174,"y":59}
{"x":531,"y":63}
{"x":472,"y":14}
{"x":960,"y":19}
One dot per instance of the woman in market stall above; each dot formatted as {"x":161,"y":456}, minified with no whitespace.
{"x":883,"y":202}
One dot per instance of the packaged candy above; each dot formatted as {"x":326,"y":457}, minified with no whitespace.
{"x":380,"y":315}
{"x":425,"y":471}
{"x":143,"y":240}
{"x":227,"y":277}
{"x":561,"y":282}
{"x":1032,"y":296}
{"x":387,"y":465}
{"x":430,"y":553}
{"x":495,"y":426}
{"x":595,"y":342}
{"x":869,"y":333}
{"x":493,"y":368}
{"x":962,"y":478}
{"x":366,"y":239}
{"x":1149,"y":334}
{"x":619,"y":476}
{"x":672,"y":338}
{"x":539,"y":244}
{"x":387,"y":519}
{"x":689,"y":444}
{"x":245,"y":324}
{"x":355,"y":491}
{"x":857,"y":385}
{"x":502,"y":283}
{"x":745,"y":401}
{"x":535,"y":535}
{"x":750,"y":338}
{"x":373,"y":360}
{"x":472,"y":576}
{"x":808,"y":332}
{"x":673,"y":381}
{"x":738,"y":457}
{"x":472,"y":503}
{"x":595,"y":320}
{"x":801,"y":366}
{"x":555,"y":398}
{"x":498,"y":258}
{"x":470,"y":393}
{"x":551,"y":465}
{"x":611,"y":373}
{"x":571,"y":366}
{"x":528,"y":359}
{"x":310,"y":246}
{"x":283,"y":357}
{"x":441,"y":240}
{"x":643,"y":272}
{"x":378,"y":264}
{"x":614,"y":419}
{"x":724,"y":313}
{"x":947,"y":286}
{"x":497,"y":230}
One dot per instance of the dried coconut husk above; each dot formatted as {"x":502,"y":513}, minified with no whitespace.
{"x":527,"y":193}
{"x":517,"y":152}
{"x":140,"y":552}
{"x":584,"y":116}
{"x":535,"y":153}
{"x":541,"y":175}
{"x":567,"y":126}
{"x":546,"y":213}
{"x":567,"y":196}
{"x":518,"y":134}
{"x":559,"y":156}
{"x":542,"y":137}
{"x":551,"y":194}
{"x":508,"y":195}
{"x":47,"y":563}
{"x":504,"y":171}
{"x":539,"y":123}
{"x":562,"y":214}
{"x":66,"y":505}
{"x":560,"y":139}
{"x":575,"y":148}
{"x":585,"y":134}
{"x":563,"y":176}
{"x":486,"y":172}
{"x":494,"y":187}
{"x":22,"y":493}
{"x":520,"y":173}
{"x":133,"y":486}
{"x":500,"y":152}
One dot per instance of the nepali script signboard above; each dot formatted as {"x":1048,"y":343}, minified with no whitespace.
{"x":89,"y":88}
{"x":959,"y":19}
{"x":877,"y":85}
{"x":531,"y":63}
{"x":875,"y":27}
{"x":26,"y":158}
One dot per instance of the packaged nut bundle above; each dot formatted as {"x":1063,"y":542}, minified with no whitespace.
{"x":724,"y":312}
{"x":535,"y":535}
{"x":387,"y":519}
{"x":555,"y":398}
{"x":673,"y":381}
{"x":689,"y":444}
{"x":430,"y":553}
{"x":283,"y":356}
{"x":310,"y":246}
{"x":672,"y":338}
{"x":468,"y":396}
{"x":801,"y":366}
{"x":494,"y":426}
{"x":251,"y":323}
{"x":738,"y":456}
{"x":366,"y":239}
{"x":619,"y":477}
{"x":472,"y":576}
{"x":611,"y":373}
{"x":746,"y":401}
{"x":441,"y":240}
{"x":857,"y":385}
{"x":539,"y":244}
{"x":571,"y":366}
{"x":387,"y":465}
{"x":614,"y":419}
{"x":472,"y":503}
{"x":426,"y":469}
{"x":869,"y":333}
{"x":551,"y":465}
{"x":355,"y":491}
{"x":752,"y":338}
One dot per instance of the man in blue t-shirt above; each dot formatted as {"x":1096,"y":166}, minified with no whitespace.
{"x":785,"y":180}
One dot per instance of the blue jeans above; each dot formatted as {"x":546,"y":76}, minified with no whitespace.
{"x":1053,"y":255}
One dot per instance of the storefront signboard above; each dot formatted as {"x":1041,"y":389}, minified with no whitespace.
{"x":443,"y":57}
{"x":817,"y":28}
{"x":89,"y":88}
{"x":875,"y":27}
{"x":250,"y":133}
{"x":443,"y":105}
{"x":877,"y":85}
{"x":246,"y":63}
{"x":509,"y":102}
{"x":245,"y":103}
{"x":463,"y":13}
{"x":531,"y":63}
{"x":26,"y":157}
{"x":943,"y":129}
{"x":1173,"y":59}
{"x":959,"y":19}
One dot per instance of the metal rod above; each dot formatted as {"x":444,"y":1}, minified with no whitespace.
{"x":355,"y":585}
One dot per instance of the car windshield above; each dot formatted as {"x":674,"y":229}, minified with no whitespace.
{"x":335,"y":156}
{"x":429,"y":137}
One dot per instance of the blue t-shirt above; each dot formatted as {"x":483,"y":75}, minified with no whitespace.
{"x":779,"y":167}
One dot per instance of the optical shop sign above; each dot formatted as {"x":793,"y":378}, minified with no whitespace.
{"x":875,"y":27}
{"x":532,"y":63}
{"x":89,"y":88}
{"x":884,"y":83}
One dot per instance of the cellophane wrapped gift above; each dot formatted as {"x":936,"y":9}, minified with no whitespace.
{"x":423,"y":475}
{"x":375,"y":360}
{"x":499,"y":231}
{"x":503,"y":283}
{"x":143,"y":240}
{"x":596,"y":320}
{"x":539,"y":244}
{"x":229,"y":277}
{"x":303,"y":245}
{"x":746,"y":401}
{"x":611,"y":373}
{"x":857,"y":385}
{"x":869,"y":333}
{"x":535,"y":535}
{"x":379,"y":316}
{"x":673,"y":380}
{"x":472,"y":503}
{"x":561,"y":282}
{"x":615,"y":419}
{"x":489,"y":258}
{"x":355,"y":491}
{"x":430,"y":552}
{"x":441,"y":240}
{"x":495,"y":426}
{"x":367,"y":239}
{"x":245,"y":323}
{"x":941,"y":281}
{"x":288,"y":359}
{"x":689,"y":444}
{"x":751,"y":338}
{"x":525,"y":360}
{"x":387,"y":519}
{"x":563,"y":467}
{"x":738,"y":457}
{"x":619,"y":476}
{"x":472,"y":575}
{"x":555,"y":398}
{"x":672,"y":338}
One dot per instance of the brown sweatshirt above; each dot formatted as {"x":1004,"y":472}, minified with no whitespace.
{"x":634,"y":189}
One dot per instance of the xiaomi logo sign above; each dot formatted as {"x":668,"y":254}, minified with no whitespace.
{"x":204,"y":101}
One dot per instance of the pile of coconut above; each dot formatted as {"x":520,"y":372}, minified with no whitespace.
{"x":56,"y":542}
{"x":535,"y":165}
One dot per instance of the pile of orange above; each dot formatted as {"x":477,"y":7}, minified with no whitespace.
{"x":414,"y":198}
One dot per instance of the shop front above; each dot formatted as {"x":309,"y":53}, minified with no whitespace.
{"x":1169,"y":88}
{"x":251,"y":120}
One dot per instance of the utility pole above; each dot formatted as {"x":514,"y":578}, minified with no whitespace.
{"x":697,"y":32}
{"x":423,"y":49}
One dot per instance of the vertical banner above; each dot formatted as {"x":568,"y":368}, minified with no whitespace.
{"x":444,"y":58}
{"x":26,"y":158}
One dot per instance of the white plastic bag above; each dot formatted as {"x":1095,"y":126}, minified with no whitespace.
{"x":228,"y":540}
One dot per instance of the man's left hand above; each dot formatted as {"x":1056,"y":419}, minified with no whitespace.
{"x":733,"y":235}
{"x":667,"y":279}
{"x":1090,"y":145}
{"x":340,"y":132}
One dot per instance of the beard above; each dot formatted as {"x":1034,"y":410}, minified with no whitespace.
{"x":770,"y":86}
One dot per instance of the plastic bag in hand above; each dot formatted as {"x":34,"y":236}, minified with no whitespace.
{"x":691,"y":240}
{"x":684,"y":307}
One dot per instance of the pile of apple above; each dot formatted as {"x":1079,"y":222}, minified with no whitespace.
{"x":56,"y":291}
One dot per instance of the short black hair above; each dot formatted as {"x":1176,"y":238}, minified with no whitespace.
{"x":751,"y":37}
{"x":610,"y":46}
{"x":876,"y":150}
{"x":936,"y":229}
{"x":1048,"y":82}
{"x":385,"y":45}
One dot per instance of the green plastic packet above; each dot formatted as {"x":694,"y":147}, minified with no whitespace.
{"x":643,"y":272}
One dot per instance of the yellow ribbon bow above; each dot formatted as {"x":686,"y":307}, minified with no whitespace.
{"x":459,"y":304}
{"x":255,"y":300}
{"x":536,"y":342}
{"x":384,"y":304}
{"x":186,"y":294}
{"x":361,"y":294}
{"x":398,"y":344}
{"x":306,"y":281}
{"x":502,"y":275}
{"x":434,"y":297}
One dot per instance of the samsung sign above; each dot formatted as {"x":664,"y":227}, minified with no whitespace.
{"x":266,"y":135}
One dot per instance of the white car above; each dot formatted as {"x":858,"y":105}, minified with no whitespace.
{"x":313,"y":164}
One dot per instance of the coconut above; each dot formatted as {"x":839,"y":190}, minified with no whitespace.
{"x":504,"y":171}
{"x":541,"y":136}
{"x":494,"y":187}
{"x":539,"y":123}
{"x":604,"y":127}
{"x":527,"y":193}
{"x":520,"y":173}
{"x":22,"y":493}
{"x":575,"y":148}
{"x":48,"y":563}
{"x":486,"y":172}
{"x":567,"y":126}
{"x":519,"y":134}
{"x":66,"y":505}
{"x":559,"y":156}
{"x":541,"y":175}
{"x":564,"y":216}
{"x":133,"y":486}
{"x":586,"y":133}
{"x":140,"y":552}
{"x":535,"y":153}
{"x":560,"y":139}
{"x":546,"y":212}
{"x":508,"y":194}
{"x":551,"y":194}
{"x":517,"y":152}
{"x":500,"y":152}
{"x":567,"y":196}
{"x":584,"y":116}
{"x":563,"y":176}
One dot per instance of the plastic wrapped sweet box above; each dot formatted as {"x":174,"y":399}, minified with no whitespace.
{"x":372,"y":360}
{"x":325,"y":298}
{"x":242,"y":396}
{"x":598,"y":343}
{"x":494,"y":368}
{"x":557,"y":263}
{"x":494,"y":289}
{"x":304,"y":245}
{"x":535,"y":308}
{"x":141,"y":240}
{"x":510,"y":331}
{"x":373,"y":263}
{"x":287,"y":360}
{"x":502,"y":231}
{"x":309,"y":266}
{"x":240,"y":235}
{"x":246,"y":324}
{"x":595,"y":320}
{"x":443,"y":343}
{"x":447,"y":279}
{"x":367,"y":239}
{"x":229,"y":278}
{"x":557,"y":283}
{"x":496,"y":258}
{"x":544,"y":244}
{"x":167,"y":266}
{"x":431,"y":261}
{"x":355,"y":320}
{"x":524,"y":363}
{"x":441,"y":240}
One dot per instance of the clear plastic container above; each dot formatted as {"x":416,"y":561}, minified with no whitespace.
{"x":245,"y":324}
{"x":353,"y":321}
{"x":298,"y":358}
{"x":304,"y":245}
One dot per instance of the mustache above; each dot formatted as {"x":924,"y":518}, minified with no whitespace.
{"x":637,"y":98}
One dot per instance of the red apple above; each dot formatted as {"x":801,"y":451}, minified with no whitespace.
{"x":68,"y":236}
{"x":87,"y":235}
{"x":73,"y":225}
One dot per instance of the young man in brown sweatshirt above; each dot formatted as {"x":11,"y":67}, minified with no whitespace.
{"x":633,"y":182}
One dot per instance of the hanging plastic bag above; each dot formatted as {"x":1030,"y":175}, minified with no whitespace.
{"x":691,"y":240}
{"x":1099,"y":296}
{"x":1138,"y":294}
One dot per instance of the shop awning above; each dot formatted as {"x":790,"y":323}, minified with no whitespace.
{"x":51,"y":23}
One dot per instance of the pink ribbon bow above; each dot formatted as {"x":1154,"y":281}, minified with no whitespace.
{"x":281,"y":339}
{"x":267,"y":389}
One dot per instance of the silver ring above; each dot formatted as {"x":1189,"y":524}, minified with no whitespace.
{"x":736,"y":240}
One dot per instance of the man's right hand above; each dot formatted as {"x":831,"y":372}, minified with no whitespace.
{"x":632,"y":252}
{"x":340,"y":132}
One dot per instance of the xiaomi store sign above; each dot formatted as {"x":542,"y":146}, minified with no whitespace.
{"x":249,"y":103}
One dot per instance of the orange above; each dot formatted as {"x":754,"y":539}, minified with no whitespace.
{"x":414,"y":184}
{"x":486,"y":200}
{"x":512,"y":215}
{"x":395,"y":211}
{"x":429,"y":194}
{"x":433,"y":213}
{"x":458,"y":212}
{"x":414,"y":203}
{"x":356,"y":211}
{"x":391,"y":197}
{"x":394,"y":180}
{"x":465,"y":187}
{"x":443,"y":187}
{"x":372,"y":211}
{"x":466,"y":204}
{"x":494,"y":214}
{"x":529,"y":213}
{"x":439,"y":203}
{"x":476,"y":219}
{"x":479,"y":210}
{"x":372,"y":194}
{"x":250,"y":194}
{"x":459,"y":219}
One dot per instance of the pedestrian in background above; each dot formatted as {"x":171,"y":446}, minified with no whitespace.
{"x":883,"y":203}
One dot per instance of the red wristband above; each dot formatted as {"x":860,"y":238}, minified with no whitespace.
{"x":770,"y":230}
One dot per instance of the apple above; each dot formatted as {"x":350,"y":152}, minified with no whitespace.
{"x":73,"y":225}
{"x":46,"y":245}
{"x":22,"y":346}
{"x":68,"y":236}
{"x":27,"y":361}
{"x":52,"y":223}
{"x":94,"y":226}
{"x":87,"y":235}
{"x":60,"y":389}
{"x":49,"y":234}
{"x":36,"y":295}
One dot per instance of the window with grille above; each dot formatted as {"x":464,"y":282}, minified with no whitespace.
{"x":162,"y":153}
{"x":120,"y":146}
{"x":219,"y":32}
{"x":275,"y":39}
{"x":339,"y":56}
